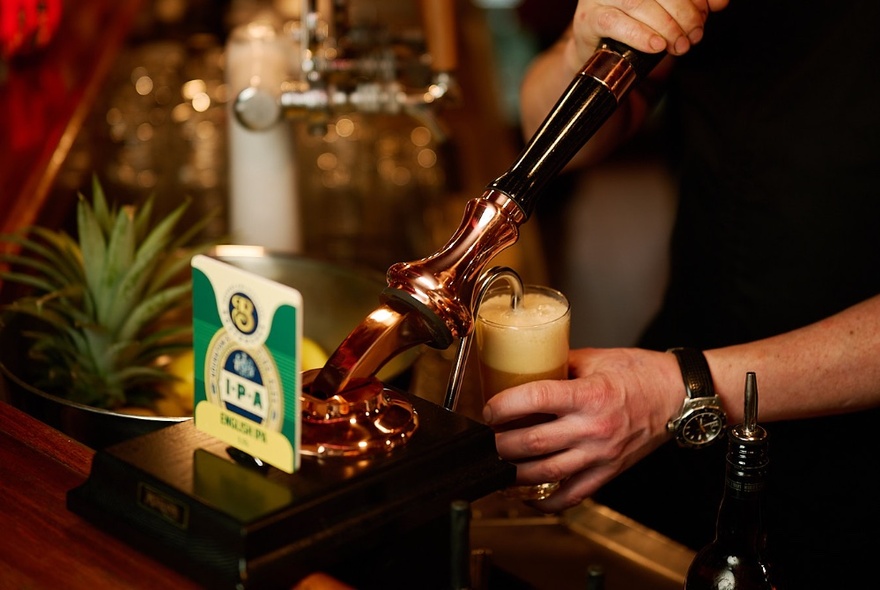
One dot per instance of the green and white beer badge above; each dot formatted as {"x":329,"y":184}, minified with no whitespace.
{"x":247,"y":337}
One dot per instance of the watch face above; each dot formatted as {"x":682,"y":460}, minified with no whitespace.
{"x":702,"y":427}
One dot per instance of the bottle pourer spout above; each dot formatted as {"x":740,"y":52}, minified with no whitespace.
{"x":750,"y":412}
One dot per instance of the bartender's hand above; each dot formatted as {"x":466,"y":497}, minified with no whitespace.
{"x":650,"y":26}
{"x":611,"y":413}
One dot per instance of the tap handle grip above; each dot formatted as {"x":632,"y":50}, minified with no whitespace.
{"x":438,"y":17}
{"x":590,"y":100}
{"x":642,"y":63}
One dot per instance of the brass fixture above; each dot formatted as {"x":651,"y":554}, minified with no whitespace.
{"x":370,"y":419}
{"x":431,"y":301}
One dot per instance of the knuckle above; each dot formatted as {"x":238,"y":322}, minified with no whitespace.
{"x":534,"y":442}
{"x":553,"y":471}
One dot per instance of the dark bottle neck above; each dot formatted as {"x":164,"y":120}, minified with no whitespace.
{"x":741,"y":514}
{"x":737,"y":558}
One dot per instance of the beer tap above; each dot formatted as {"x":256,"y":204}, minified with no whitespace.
{"x":431,"y":301}
{"x":340,"y":73}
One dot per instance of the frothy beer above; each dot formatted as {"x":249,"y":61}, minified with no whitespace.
{"x":524,"y":344}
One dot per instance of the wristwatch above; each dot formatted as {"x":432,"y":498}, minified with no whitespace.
{"x":701,"y":420}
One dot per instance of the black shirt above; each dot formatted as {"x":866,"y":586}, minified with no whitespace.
{"x":775,"y":126}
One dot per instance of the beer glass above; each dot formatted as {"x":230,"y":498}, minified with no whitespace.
{"x":522,"y":335}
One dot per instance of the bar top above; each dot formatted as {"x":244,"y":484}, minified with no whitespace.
{"x":43,"y":544}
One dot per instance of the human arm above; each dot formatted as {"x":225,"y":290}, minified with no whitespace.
{"x":650,"y":26}
{"x":613,"y":411}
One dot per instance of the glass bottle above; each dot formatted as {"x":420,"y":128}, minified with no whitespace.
{"x":736,"y":558}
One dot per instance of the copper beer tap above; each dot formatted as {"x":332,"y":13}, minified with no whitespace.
{"x":431,"y":301}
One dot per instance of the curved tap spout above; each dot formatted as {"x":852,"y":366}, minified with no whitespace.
{"x":428,"y":301}
{"x":390,"y":329}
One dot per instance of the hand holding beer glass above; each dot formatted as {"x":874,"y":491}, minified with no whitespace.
{"x":522,"y":335}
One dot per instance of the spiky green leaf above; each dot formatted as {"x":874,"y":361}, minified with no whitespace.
{"x":118,"y":264}
{"x":103,"y":214}
{"x":92,"y":243}
{"x":149,"y":309}
{"x":133,"y":284}
{"x":101,"y":298}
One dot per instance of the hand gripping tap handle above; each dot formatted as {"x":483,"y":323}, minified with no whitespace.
{"x":590,"y":99}
{"x":441,"y":286}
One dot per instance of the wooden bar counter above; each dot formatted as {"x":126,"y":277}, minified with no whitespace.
{"x":44,"y":99}
{"x":42,"y":543}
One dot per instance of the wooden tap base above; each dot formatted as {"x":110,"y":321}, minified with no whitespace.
{"x":177,"y":495}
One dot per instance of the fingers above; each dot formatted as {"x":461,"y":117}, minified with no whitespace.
{"x":583,"y":483}
{"x":650,"y":26}
{"x":557,"y":466}
{"x":554,"y":450}
{"x":535,"y":441}
{"x":604,"y":418}
{"x":562,"y":404}
{"x":573,"y":491}
{"x":537,"y":397}
{"x":689,"y":19}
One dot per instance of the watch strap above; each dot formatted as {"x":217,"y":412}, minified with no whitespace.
{"x":694,"y":371}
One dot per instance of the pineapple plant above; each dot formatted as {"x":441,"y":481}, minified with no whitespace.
{"x":107,"y":308}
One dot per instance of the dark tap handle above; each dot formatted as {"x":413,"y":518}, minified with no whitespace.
{"x":641,"y":62}
{"x":590,"y":99}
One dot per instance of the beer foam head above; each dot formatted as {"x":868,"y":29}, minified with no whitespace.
{"x":532,"y":338}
